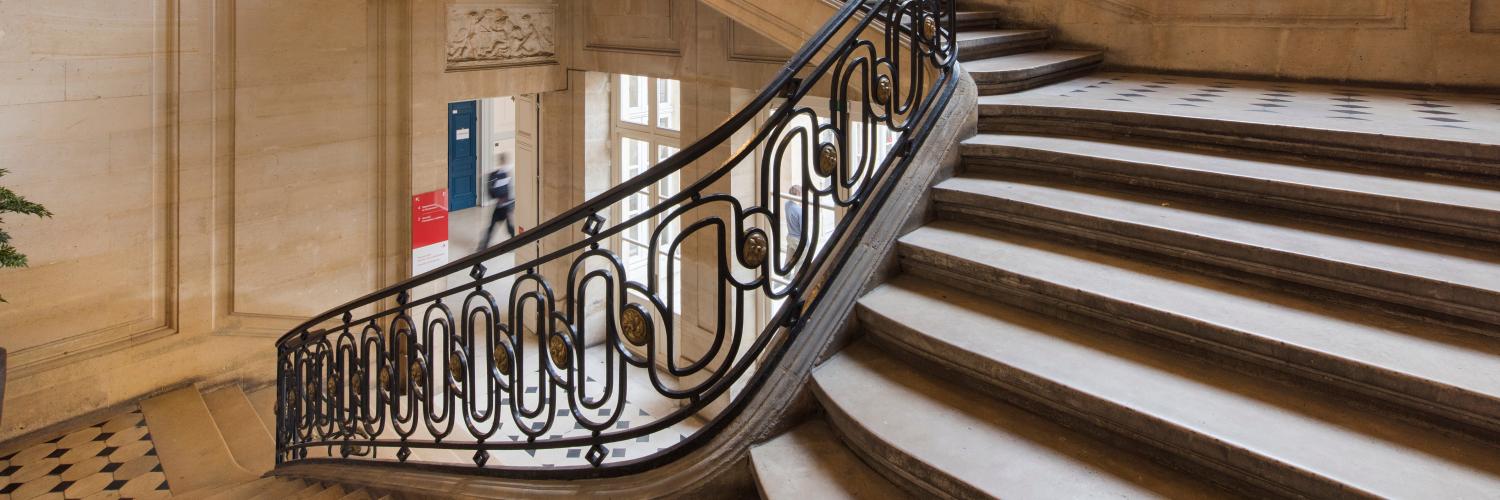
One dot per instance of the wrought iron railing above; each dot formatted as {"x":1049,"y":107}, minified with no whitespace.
{"x":570,"y":354}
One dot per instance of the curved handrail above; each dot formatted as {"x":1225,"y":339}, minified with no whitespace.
{"x":355,"y":385}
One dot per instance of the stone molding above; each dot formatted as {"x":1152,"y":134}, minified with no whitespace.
{"x":602,"y":36}
{"x":1484,"y":16}
{"x":166,"y":84}
{"x":738,"y":39}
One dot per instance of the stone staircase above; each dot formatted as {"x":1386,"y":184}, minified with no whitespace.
{"x":1138,"y":301}
{"x":1008,"y":60}
{"x":217,"y":445}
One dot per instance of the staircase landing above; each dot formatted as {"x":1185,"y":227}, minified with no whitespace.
{"x":1395,"y":113}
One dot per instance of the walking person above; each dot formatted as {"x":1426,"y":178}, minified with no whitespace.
{"x":793,"y":210}
{"x":502,"y":189}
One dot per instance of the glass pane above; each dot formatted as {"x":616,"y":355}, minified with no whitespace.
{"x":668,"y":186}
{"x":634,"y":106}
{"x":668,"y":98}
{"x":635,"y":157}
{"x":663,"y":152}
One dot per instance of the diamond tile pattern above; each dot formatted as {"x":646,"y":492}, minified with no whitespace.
{"x":1285,"y":102}
{"x":112,"y":459}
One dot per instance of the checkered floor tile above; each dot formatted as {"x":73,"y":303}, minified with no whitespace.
{"x":1425,"y":114}
{"x":111,"y":459}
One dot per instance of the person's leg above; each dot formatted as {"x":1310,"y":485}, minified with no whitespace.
{"x":490,"y":228}
{"x":510,"y":225}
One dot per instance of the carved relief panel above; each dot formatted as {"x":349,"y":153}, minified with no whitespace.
{"x":496,"y":35}
{"x":1485,"y":16}
{"x":642,"y":26}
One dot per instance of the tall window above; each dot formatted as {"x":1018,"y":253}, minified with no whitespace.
{"x":646,"y":131}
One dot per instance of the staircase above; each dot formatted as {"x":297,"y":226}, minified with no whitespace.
{"x":1008,"y":60}
{"x":217,"y":445}
{"x":1123,"y":295}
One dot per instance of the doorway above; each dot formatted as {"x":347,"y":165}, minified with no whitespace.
{"x":463,"y":155}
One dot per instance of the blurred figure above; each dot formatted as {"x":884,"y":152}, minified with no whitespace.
{"x":793,"y":210}
{"x":502,"y":189}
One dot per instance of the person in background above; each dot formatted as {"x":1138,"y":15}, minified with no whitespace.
{"x":793,"y":209}
{"x":502,"y":189}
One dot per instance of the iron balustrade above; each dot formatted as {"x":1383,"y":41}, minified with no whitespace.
{"x":466,"y":361}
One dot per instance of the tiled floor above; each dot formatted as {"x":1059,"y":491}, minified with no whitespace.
{"x":1433,"y":115}
{"x":112,"y":459}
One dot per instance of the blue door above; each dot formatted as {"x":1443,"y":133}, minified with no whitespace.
{"x":463,"y":155}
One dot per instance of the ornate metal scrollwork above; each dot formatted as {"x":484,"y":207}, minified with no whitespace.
{"x":501,"y":357}
{"x":558,"y":349}
{"x":456,"y":366}
{"x":633,"y":324}
{"x":828,"y":159}
{"x":711,"y":291}
{"x":756,"y":249}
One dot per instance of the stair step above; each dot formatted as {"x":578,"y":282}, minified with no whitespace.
{"x":249,"y":441}
{"x":1410,"y":201}
{"x":1410,"y":149}
{"x":331,"y":492}
{"x":982,"y":44}
{"x":938,"y":437}
{"x":1017,"y":72}
{"x":810,"y":462}
{"x":194,"y":455}
{"x":978,"y":19}
{"x":1291,"y":440}
{"x":240,"y":491}
{"x":1448,"y":280}
{"x":1421,"y":366}
{"x":312,"y":489}
{"x":282,"y":489}
{"x":359,"y":494}
{"x":264,"y":401}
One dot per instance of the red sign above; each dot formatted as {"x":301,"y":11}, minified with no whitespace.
{"x":429,"y":218}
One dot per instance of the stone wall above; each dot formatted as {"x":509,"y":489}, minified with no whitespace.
{"x":1411,"y":42}
{"x":118,"y":116}
{"x":223,"y":169}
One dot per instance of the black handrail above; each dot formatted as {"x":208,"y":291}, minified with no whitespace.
{"x":347,"y":385}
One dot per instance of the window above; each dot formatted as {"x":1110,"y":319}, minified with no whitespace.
{"x":645,"y":133}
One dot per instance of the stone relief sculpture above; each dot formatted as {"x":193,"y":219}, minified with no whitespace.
{"x":494,"y":35}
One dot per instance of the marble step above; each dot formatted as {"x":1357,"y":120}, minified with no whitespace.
{"x":1271,"y":437}
{"x":1017,"y":72}
{"x":359,"y":494}
{"x":312,"y":489}
{"x":327,"y":492}
{"x":978,"y":19}
{"x":1409,"y":201}
{"x":1389,"y":147}
{"x":194,"y":454}
{"x":1426,"y":369}
{"x":810,"y":462}
{"x":982,"y":44}
{"x":248,"y":438}
{"x":242,"y":491}
{"x":264,"y":401}
{"x":940,"y":438}
{"x":283,"y":488}
{"x":1451,"y":281}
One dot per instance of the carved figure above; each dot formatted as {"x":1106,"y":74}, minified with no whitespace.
{"x":494,"y":35}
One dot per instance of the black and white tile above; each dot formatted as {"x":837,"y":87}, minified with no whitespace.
{"x":112,"y":459}
{"x":1435,"y":112}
